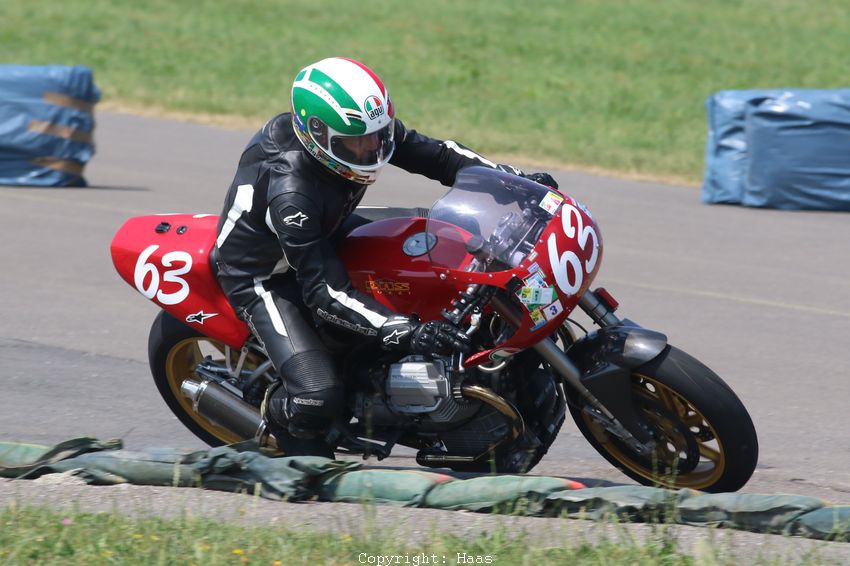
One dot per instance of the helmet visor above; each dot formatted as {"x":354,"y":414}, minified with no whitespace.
{"x":366,"y":150}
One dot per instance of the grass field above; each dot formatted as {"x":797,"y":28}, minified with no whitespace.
{"x":32,"y":535}
{"x":611,"y":85}
{"x":40,"y":536}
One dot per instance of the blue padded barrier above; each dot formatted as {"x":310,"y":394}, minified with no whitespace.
{"x":726,"y":148}
{"x":799,"y":151}
{"x":787,"y":149}
{"x":46,"y":124}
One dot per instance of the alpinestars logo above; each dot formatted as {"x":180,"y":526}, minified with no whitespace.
{"x":296,"y":219}
{"x":395,"y":336}
{"x":200,"y":317}
{"x":311,"y":402}
{"x":360,"y":329}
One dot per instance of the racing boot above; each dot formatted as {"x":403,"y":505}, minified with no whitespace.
{"x":293,"y":438}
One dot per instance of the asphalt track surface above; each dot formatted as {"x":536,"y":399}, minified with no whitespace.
{"x":760,"y":296}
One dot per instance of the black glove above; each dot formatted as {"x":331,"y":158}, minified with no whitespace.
{"x":542,"y":178}
{"x":432,"y":337}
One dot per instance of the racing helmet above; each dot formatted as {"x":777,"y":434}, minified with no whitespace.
{"x":342,"y":114}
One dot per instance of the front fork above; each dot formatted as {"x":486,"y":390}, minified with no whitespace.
{"x":560,"y":362}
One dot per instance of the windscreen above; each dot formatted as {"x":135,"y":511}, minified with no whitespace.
{"x":507,"y":212}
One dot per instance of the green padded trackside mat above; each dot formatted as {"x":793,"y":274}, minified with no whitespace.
{"x":246,"y":468}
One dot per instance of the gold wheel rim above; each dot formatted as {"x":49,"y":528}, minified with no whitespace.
{"x":180,"y":365}
{"x":712,"y":459}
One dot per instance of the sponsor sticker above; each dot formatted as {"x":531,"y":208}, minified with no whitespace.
{"x":536,"y":280}
{"x":200,"y":317}
{"x":551,"y":202}
{"x":533,"y":267}
{"x":536,"y":295}
{"x":389,"y":286}
{"x":552,"y":310}
{"x":532,"y":256}
{"x":537,"y":318}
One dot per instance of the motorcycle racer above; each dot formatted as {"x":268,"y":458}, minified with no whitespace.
{"x":292,"y":198}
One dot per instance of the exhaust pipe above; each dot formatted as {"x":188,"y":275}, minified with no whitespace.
{"x":224,"y":409}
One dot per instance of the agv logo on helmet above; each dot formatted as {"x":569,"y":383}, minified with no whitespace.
{"x":373,"y":107}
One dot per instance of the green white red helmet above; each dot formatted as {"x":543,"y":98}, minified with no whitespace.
{"x":341,"y":112}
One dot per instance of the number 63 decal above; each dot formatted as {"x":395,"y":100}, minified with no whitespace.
{"x":143,"y":268}
{"x":559,"y":263}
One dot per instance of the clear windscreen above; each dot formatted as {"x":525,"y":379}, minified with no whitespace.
{"x":507,"y":212}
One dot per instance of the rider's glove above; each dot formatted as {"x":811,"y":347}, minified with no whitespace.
{"x":432,"y":337}
{"x":542,"y":178}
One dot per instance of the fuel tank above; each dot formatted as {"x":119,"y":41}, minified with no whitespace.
{"x":388,"y":260}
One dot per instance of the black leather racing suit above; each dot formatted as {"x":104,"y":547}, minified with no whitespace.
{"x":277,"y":265}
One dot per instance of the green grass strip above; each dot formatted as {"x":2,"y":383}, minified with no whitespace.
{"x":34,"y":535}
{"x":618,"y":86}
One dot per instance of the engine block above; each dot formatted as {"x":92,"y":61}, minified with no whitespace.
{"x":415,"y":387}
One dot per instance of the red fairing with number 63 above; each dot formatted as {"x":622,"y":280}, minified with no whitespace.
{"x":565,"y":260}
{"x":166,"y":258}
{"x":573,"y":248}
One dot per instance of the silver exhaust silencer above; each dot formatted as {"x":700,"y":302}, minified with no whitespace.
{"x":226,"y":410}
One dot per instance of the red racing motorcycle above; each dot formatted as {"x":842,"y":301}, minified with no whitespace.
{"x":507,"y":260}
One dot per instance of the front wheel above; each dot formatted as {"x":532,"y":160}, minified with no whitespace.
{"x":704,"y":436}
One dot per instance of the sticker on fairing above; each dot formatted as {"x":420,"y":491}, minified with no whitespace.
{"x":536,"y":280}
{"x":200,"y":317}
{"x":531,"y":257}
{"x":537,"y":318}
{"x":553,"y":310}
{"x":551,"y":202}
{"x":533,"y":267}
{"x":536,"y":295}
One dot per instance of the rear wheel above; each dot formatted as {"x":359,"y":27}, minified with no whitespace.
{"x":704,"y":436}
{"x":174,"y":351}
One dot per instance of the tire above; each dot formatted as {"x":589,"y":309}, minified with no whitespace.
{"x":174,"y":349}
{"x":706,"y":439}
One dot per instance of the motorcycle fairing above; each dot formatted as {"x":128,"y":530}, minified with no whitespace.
{"x":566,"y":236}
{"x":166,"y":258}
